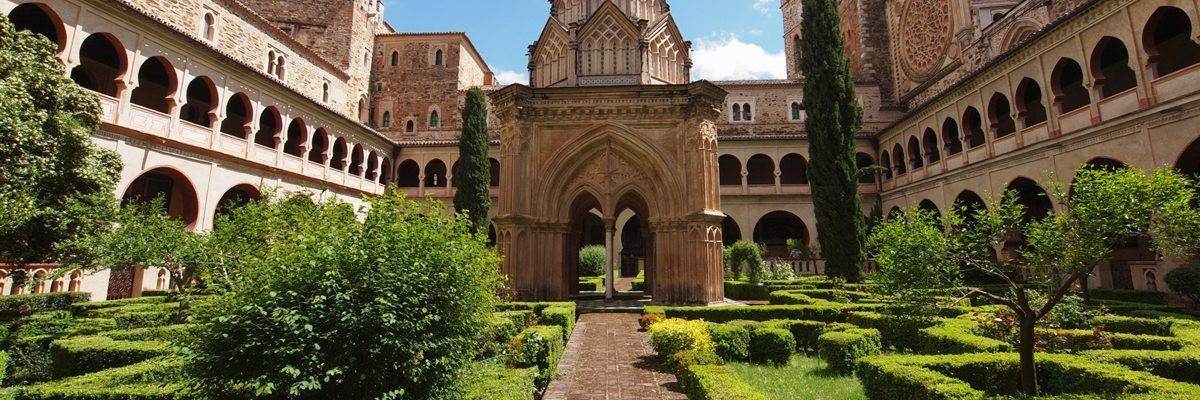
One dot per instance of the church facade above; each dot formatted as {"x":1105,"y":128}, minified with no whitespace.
{"x":210,"y":102}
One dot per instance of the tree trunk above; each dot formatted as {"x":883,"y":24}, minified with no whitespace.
{"x":1029,"y":383}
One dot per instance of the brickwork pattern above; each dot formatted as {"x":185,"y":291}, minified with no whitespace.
{"x":608,"y":358}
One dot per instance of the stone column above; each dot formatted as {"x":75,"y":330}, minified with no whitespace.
{"x":610,"y":233}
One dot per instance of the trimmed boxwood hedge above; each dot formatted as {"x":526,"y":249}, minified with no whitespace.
{"x":12,"y":307}
{"x":715,"y":382}
{"x":1133,"y":296}
{"x":1134,"y":325}
{"x":828,"y":312}
{"x":538,"y":346}
{"x":490,"y":381}
{"x":771,"y":345}
{"x":169,"y":333}
{"x":957,"y":336}
{"x":1183,"y":366}
{"x":806,"y":332}
{"x":732,"y":342}
{"x":562,"y":316}
{"x":841,"y":350}
{"x":156,"y":379}
{"x":81,"y":355}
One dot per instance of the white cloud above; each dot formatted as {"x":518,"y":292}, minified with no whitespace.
{"x":764,"y":6}
{"x":508,"y":77}
{"x":728,"y":58}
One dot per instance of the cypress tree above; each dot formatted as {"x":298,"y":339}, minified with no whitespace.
{"x":474,"y":175}
{"x":833,"y":121}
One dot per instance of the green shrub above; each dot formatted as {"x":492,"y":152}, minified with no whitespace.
{"x":790,"y":297}
{"x":563,"y":316}
{"x":1175,"y":365}
{"x":3,"y":366}
{"x":1133,"y":325}
{"x":806,"y":332}
{"x":746,"y":257}
{"x":1133,"y":296}
{"x":591,"y":284}
{"x":738,"y":290}
{"x":957,"y":336}
{"x":592,"y":260}
{"x":155,"y":293}
{"x":93,"y":353}
{"x":12,"y":307}
{"x":828,"y":312}
{"x":841,"y":350}
{"x":343,"y":304}
{"x":84,"y":308}
{"x":147,"y":319}
{"x":715,"y":382}
{"x":771,"y":346}
{"x":888,"y":378}
{"x":169,"y":333}
{"x":538,"y":346}
{"x":156,"y":379}
{"x":673,"y":335}
{"x":902,"y":332}
{"x":29,"y":360}
{"x":489,"y":381}
{"x":679,"y":361}
{"x":520,"y":318}
{"x":1186,"y":282}
{"x":732,"y":342}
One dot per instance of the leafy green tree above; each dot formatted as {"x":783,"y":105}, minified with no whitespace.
{"x":1052,"y":255}
{"x":55,"y":184}
{"x":834,"y":116}
{"x":1186,"y":282}
{"x":390,"y":307}
{"x":746,"y":253}
{"x":474,"y":174}
{"x":144,"y":235}
{"x":592,"y":260}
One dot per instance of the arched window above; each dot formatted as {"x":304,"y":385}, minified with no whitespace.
{"x":793,"y":170}
{"x":747,"y":113}
{"x":155,"y":86}
{"x":76,"y":281}
{"x":1110,"y":67}
{"x":39,"y":279}
{"x":973,"y":128}
{"x":439,"y":58}
{"x":864,"y":163}
{"x":928,"y":205}
{"x":494,"y":168}
{"x":1067,"y":82}
{"x":408,"y":175}
{"x":1029,"y":103}
{"x":950,"y":137}
{"x":271,"y":60}
{"x":237,"y":116}
{"x":760,"y":170}
{"x":338,"y":161}
{"x":363,"y":116}
{"x":797,"y":112}
{"x":209,"y":27}
{"x":1168,"y":40}
{"x":356,"y":160}
{"x":885,"y":160}
{"x":385,"y":171}
{"x":320,"y":145}
{"x":434,"y":119}
{"x":898,"y":161}
{"x":915,"y":160}
{"x":163,"y":279}
{"x":737,"y":112}
{"x":268,"y":128}
{"x":280,"y":67}
{"x":101,"y":64}
{"x":40,"y":19}
{"x":435,"y":174}
{"x":410,"y":126}
{"x":170,"y":185}
{"x":372,"y":166}
{"x":395,"y":58}
{"x":775,"y":229}
{"x":201,"y":105}
{"x":387,"y":119}
{"x":325,"y":92}
{"x":1000,"y":116}
{"x":930,"y":143}
{"x":730,"y":169}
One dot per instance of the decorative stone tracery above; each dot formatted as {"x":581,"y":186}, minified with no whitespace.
{"x":925,"y":37}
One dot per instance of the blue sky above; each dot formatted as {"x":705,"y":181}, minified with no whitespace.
{"x":733,"y":39}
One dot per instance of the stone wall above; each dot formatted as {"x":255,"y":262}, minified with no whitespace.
{"x":416,"y":86}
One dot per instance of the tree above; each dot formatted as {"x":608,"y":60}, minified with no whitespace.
{"x":392,"y":306}
{"x":144,"y":235}
{"x":834,"y":117}
{"x":55,"y":184}
{"x":747,"y":253}
{"x":592,"y":260}
{"x":474,"y":174}
{"x":1048,"y":257}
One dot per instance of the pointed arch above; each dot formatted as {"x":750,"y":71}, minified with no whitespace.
{"x":201,"y":103}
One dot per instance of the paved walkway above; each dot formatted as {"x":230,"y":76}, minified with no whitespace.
{"x":608,"y":358}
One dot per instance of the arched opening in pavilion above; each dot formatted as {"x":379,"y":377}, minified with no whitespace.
{"x":930,"y":143}
{"x":101,"y":63}
{"x":175,"y":190}
{"x":340,"y":151}
{"x":155,"y":85}
{"x":201,"y":105}
{"x":435,"y":174}
{"x":1067,"y":83}
{"x":899,"y":164}
{"x":495,"y":172}
{"x":408,"y":175}
{"x":760,"y":170}
{"x":775,"y":229}
{"x":584,"y":229}
{"x":914,"y":153}
{"x":793,"y":170}
{"x":1168,"y":40}
{"x":320,"y":147}
{"x":1030,"y":194}
{"x":730,"y":231}
{"x":356,"y":160}
{"x":235,"y":198}
{"x":1000,"y":115}
{"x":40,"y":19}
{"x":1110,"y":67}
{"x":1030,"y":108}
{"x":730,"y":170}
{"x":865,"y":164}
{"x":296,"y":136}
{"x":237,"y":122}
{"x":973,"y":128}
{"x":269,"y":124}
{"x":950,"y":136}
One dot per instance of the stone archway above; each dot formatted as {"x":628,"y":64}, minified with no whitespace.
{"x":653,"y":153}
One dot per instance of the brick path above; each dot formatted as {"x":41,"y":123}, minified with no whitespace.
{"x":609,"y":359}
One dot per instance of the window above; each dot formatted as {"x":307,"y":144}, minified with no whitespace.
{"x":201,"y":105}
{"x":410,"y":126}
{"x":434,"y":120}
{"x":1110,"y":67}
{"x":320,"y":145}
{"x":76,"y":281}
{"x":395,"y":58}
{"x":161,"y":283}
{"x":1067,"y":82}
{"x":746,"y":112}
{"x":387,"y":119}
{"x":237,"y":116}
{"x":741,"y":112}
{"x":439,"y":58}
{"x":797,"y":112}
{"x":999,"y":115}
{"x":1029,"y":103}
{"x":101,"y":64}
{"x":208,"y":28}
{"x":914,"y":153}
{"x":155,"y":85}
{"x":271,"y":60}
{"x":950,"y":137}
{"x":973,"y":128}
{"x":1168,"y":38}
{"x":930,"y":143}
{"x":279,"y":68}
{"x":325,"y":92}
{"x":737,"y":112}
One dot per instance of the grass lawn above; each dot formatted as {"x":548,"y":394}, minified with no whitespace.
{"x":805,"y":378}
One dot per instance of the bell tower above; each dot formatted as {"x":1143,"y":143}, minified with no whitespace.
{"x":609,"y":43}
